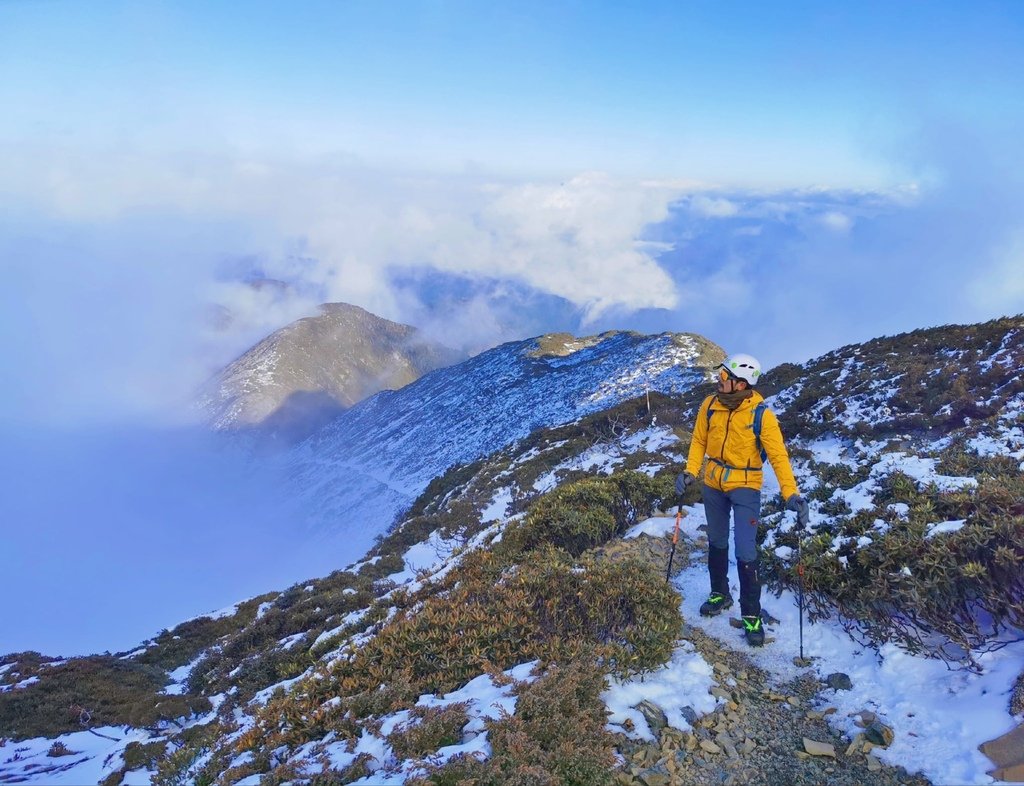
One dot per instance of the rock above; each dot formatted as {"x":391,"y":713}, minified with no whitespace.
{"x":1007,"y":753}
{"x":747,"y":747}
{"x":879,"y":734}
{"x":709,"y":747}
{"x":874,"y":764}
{"x":863,"y":718}
{"x":839,"y":681}
{"x":690,"y":714}
{"x":855,"y":745}
{"x":815,"y":748}
{"x":1011,"y":774}
{"x":793,"y":701}
{"x":1017,"y":696}
{"x":720,"y":693}
{"x":802,"y":663}
{"x":654,"y":716}
{"x":655,"y":777}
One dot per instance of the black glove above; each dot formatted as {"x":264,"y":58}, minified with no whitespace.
{"x":799,"y":505}
{"x":683,"y":481}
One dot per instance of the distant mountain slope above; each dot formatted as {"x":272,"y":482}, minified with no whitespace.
{"x":302,"y":375}
{"x":374,"y":459}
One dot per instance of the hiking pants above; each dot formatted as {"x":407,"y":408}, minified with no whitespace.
{"x":745,"y":505}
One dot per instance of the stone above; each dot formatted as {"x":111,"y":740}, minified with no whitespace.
{"x":719,"y":693}
{"x":654,"y":716}
{"x":815,"y":748}
{"x":747,"y":747}
{"x":709,"y":747}
{"x":839,"y":681}
{"x":1017,"y":696}
{"x":855,"y":745}
{"x":690,"y":714}
{"x":1007,"y":753}
{"x":874,"y":764}
{"x":793,"y":701}
{"x":879,"y":734}
{"x":1011,"y":774}
{"x":863,"y":718}
{"x":655,"y":777}
{"x":730,"y":749}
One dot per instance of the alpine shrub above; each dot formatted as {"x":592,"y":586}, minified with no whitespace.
{"x":557,"y":736}
{"x":587,"y":513}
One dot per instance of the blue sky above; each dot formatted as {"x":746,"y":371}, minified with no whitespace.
{"x":784,"y":178}
{"x":798,"y":93}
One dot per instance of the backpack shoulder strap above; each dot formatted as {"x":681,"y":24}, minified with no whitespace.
{"x":710,"y":402}
{"x":758,"y":417}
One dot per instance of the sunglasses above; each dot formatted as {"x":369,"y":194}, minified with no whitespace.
{"x":725,"y":375}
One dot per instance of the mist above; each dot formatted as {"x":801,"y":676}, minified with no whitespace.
{"x":112,"y":534}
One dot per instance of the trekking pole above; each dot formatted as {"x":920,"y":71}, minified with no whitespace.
{"x":675,"y":537}
{"x":800,"y":573}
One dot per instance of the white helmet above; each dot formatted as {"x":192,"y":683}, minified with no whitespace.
{"x":743,"y":366}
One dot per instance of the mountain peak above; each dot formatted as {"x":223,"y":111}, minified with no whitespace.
{"x":301,"y":376}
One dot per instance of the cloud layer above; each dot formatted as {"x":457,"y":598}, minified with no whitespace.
{"x":115,"y":263}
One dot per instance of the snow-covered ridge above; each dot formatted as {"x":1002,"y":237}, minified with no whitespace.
{"x":369,"y":464}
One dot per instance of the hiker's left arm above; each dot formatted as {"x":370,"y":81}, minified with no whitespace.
{"x":775,"y":447}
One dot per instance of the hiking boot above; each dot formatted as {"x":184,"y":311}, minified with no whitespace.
{"x":750,"y":588}
{"x":715,"y":604}
{"x":753,"y":629}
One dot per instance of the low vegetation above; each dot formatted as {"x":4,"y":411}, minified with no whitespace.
{"x":100,"y":690}
{"x":557,"y":736}
{"x":944,"y":594}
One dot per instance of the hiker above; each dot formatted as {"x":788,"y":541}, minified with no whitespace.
{"x":737,"y":432}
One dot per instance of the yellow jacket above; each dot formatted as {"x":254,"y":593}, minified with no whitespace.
{"x":728,"y":441}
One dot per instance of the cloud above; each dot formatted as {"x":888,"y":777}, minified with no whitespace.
{"x":1000,"y":286}
{"x":839,"y":222}
{"x":713,"y":207}
{"x":795,"y":274}
{"x":149,"y":239}
{"x":118,"y":533}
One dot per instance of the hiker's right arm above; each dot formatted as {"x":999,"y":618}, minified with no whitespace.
{"x":698,"y":445}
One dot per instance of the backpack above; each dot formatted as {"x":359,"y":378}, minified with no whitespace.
{"x":758,"y":417}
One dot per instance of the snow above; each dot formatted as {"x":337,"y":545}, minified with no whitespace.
{"x":684,"y":681}
{"x":832,"y":450}
{"x":939,"y":716}
{"x":920,"y":469}
{"x":498,"y":506}
{"x":18,"y":685}
{"x":944,"y":527}
{"x":485,"y":700}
